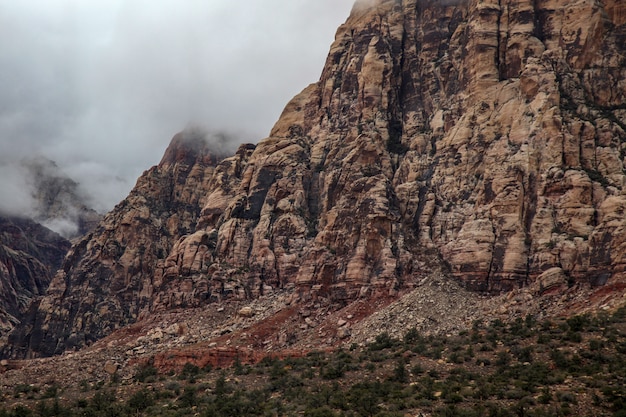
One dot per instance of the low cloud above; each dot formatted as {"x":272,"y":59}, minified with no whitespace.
{"x":364,"y":4}
{"x":66,"y":227}
{"x":220,"y":143}
{"x":38,"y":189}
{"x":15,"y":191}
{"x":100,"y":87}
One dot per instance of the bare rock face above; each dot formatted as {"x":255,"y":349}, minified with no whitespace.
{"x":484,"y":137}
{"x":488,"y":133}
{"x":107,"y":278}
{"x":29,"y":256}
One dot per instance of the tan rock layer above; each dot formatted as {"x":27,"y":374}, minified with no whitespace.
{"x":490,"y":131}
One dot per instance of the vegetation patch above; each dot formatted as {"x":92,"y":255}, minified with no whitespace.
{"x":574,"y":366}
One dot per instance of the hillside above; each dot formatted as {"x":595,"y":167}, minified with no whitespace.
{"x":560,"y":367}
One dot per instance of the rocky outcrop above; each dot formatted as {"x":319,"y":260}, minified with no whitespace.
{"x":107,"y":278}
{"x":483,"y":137}
{"x":488,"y":133}
{"x":29,"y":256}
{"x":30,"y":251}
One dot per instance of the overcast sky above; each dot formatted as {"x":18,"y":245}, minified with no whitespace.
{"x":101,"y":86}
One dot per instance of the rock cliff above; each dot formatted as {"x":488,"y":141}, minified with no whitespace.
{"x":483,"y":137}
{"x":488,"y":133}
{"x":29,"y":256}
{"x":107,"y":278}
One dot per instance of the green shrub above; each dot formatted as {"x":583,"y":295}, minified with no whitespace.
{"x":146,"y":373}
{"x":140,"y":401}
{"x":324,"y":411}
{"x":333,"y":370}
{"x":190,"y":372}
{"x":504,"y":358}
{"x":400,"y":374}
{"x":411,"y":337}
{"x":524,"y":354}
{"x":188,"y":397}
{"x":382,"y":341}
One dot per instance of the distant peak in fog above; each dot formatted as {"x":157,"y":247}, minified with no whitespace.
{"x":38,"y":189}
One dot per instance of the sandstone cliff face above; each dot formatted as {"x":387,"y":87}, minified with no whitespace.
{"x":488,"y":132}
{"x":484,"y":136}
{"x":29,"y":256}
{"x":106,"y":280}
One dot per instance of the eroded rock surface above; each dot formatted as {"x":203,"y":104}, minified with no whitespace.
{"x":489,"y":133}
{"x":29,"y":256}
{"x":107,"y":279}
{"x":483,"y":137}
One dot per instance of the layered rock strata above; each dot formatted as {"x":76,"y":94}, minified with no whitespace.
{"x":29,"y":256}
{"x":488,"y":132}
{"x":482,"y":136}
{"x":107,"y":278}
